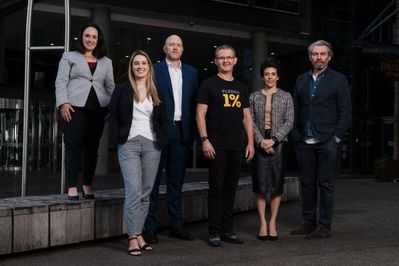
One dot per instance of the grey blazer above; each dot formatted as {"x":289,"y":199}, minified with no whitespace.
{"x":74,"y":80}
{"x":282,"y":115}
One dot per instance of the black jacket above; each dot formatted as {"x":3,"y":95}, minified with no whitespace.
{"x":329,"y":111}
{"x":121,"y":116}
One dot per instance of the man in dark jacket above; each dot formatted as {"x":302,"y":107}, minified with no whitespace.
{"x":322,"y":105}
{"x":178,"y":83}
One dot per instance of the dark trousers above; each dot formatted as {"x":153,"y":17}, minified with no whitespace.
{"x":174,"y":157}
{"x":81,"y":137}
{"x":224,"y":173}
{"x":318,"y":166}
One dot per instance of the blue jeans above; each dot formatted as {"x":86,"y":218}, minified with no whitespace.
{"x":138,"y":159}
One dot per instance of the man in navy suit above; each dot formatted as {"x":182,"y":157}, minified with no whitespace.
{"x":322,"y":105}
{"x":178,"y":83}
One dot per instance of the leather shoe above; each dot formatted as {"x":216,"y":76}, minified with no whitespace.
{"x":214,"y":241}
{"x":319,"y":234}
{"x":150,"y":237}
{"x":181,"y":234}
{"x":231,"y":237}
{"x":303,"y":230}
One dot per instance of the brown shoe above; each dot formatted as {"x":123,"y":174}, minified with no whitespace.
{"x":319,"y":234}
{"x":303,"y":230}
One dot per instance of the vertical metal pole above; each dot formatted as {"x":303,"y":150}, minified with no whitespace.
{"x":26,"y":98}
{"x":66,"y":49}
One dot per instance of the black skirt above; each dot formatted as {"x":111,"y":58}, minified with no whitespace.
{"x":268,"y":171}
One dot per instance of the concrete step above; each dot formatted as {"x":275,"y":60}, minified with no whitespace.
{"x":37,"y":222}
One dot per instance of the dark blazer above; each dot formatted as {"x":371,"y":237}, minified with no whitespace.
{"x":121,"y":116}
{"x":329,"y":111}
{"x":189,"y":93}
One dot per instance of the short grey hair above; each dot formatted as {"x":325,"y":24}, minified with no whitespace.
{"x":225,"y":46}
{"x":321,"y":43}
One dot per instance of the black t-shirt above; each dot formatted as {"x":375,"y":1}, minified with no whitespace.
{"x":224,"y":117}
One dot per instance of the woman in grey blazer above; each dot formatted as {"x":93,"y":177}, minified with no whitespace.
{"x":84,"y":86}
{"x":273,"y":117}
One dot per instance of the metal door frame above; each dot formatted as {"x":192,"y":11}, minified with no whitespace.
{"x":28,"y":50}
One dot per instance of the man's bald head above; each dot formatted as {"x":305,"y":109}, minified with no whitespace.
{"x":173,"y":48}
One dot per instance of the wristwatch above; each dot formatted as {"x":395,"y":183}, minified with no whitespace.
{"x":203,"y":138}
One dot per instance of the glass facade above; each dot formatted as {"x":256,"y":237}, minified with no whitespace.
{"x":291,"y":6}
{"x":44,"y":135}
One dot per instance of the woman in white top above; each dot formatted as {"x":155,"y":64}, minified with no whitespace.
{"x":138,"y":126}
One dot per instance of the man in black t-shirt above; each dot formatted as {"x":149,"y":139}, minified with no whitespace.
{"x":222,"y":116}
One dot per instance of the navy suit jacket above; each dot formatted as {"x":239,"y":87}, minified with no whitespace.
{"x":329,"y":111}
{"x":189,"y":93}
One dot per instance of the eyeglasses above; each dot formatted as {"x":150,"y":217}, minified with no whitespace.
{"x":223,"y":58}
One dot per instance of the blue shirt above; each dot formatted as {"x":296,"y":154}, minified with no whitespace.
{"x":313,"y":86}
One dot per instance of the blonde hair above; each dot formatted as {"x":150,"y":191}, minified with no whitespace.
{"x":149,"y":79}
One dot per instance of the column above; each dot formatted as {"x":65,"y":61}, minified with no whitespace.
{"x":259,"y":53}
{"x":396,"y":96}
{"x":101,"y":16}
{"x":2,"y":50}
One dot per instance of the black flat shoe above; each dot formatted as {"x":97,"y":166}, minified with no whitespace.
{"x":73,"y":198}
{"x":87,"y":196}
{"x":263,"y":238}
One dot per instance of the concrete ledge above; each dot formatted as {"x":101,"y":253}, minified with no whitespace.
{"x":46,"y":221}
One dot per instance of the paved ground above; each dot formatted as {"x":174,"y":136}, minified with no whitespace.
{"x":365,"y":232}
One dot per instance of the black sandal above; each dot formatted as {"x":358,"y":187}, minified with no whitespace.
{"x":145,"y":247}
{"x":134,"y":251}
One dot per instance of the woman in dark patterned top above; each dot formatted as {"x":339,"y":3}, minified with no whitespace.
{"x":273,"y":117}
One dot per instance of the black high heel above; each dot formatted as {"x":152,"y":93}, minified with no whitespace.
{"x":87,"y":196}
{"x":273,"y":238}
{"x":263,"y":238}
{"x":73,"y":198}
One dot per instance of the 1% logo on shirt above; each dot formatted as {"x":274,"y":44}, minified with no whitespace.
{"x":231,"y":100}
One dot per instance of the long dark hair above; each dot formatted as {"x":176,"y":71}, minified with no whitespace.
{"x":101,"y":49}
